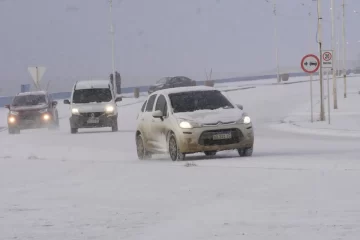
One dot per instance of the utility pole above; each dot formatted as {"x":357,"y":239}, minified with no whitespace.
{"x":322,"y":113}
{"x":334,"y":53}
{"x":276,"y":43}
{"x":112,"y":32}
{"x":344,"y":47}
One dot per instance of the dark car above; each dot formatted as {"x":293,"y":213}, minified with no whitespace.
{"x":32,"y":110}
{"x":171,"y":82}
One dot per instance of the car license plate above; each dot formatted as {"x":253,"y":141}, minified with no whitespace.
{"x":222,"y":136}
{"x":93,"y":120}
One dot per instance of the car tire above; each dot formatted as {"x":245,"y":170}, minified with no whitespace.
{"x":142,"y":153}
{"x":73,"y":130}
{"x":114,"y":127}
{"x":14,"y":131}
{"x":174,"y":150}
{"x":210,"y":153}
{"x":245,"y":152}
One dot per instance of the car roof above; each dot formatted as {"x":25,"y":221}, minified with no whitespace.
{"x":184,"y":89}
{"x":92,"y":84}
{"x":32,"y":93}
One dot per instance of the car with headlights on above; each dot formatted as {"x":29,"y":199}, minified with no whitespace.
{"x":188,"y":120}
{"x":29,"y":110}
{"x":93,"y":105}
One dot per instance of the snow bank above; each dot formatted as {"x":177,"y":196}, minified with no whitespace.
{"x":344,"y":121}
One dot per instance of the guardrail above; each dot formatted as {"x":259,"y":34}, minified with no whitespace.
{"x":64,"y":95}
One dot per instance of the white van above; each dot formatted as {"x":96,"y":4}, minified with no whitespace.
{"x":93,"y":105}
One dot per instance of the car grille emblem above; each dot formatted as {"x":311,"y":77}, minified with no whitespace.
{"x":92,"y":115}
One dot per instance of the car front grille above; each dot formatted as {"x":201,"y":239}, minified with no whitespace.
{"x":29,"y":115}
{"x":92,"y":114}
{"x":206,"y":138}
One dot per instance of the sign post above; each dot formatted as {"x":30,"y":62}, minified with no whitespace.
{"x":37,"y":73}
{"x":310,"y":64}
{"x":327,"y":62}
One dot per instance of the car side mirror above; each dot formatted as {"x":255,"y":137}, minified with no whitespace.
{"x":118,"y":99}
{"x":240,"y":106}
{"x":54,"y":103}
{"x":158,"y":114}
{"x":7,"y":106}
{"x":66,"y":101}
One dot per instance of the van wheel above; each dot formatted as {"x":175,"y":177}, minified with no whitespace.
{"x":14,"y":131}
{"x":245,"y":152}
{"x":74,"y":130}
{"x":114,"y":127}
{"x":174,"y":151}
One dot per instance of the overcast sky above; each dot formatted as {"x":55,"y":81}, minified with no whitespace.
{"x":156,"y":38}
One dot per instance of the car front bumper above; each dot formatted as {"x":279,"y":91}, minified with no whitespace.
{"x":202,"y":139}
{"x":84,"y":121}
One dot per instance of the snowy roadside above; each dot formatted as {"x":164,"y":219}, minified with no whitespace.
{"x":344,"y":121}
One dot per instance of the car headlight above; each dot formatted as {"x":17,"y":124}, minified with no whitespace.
{"x":46,"y":117}
{"x":14,"y":113}
{"x":247,"y":120}
{"x":109,"y":109}
{"x":11,"y":119}
{"x":185,"y":124}
{"x":43,"y":110}
{"x":75,"y":111}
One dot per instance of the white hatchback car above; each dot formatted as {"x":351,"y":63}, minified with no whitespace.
{"x":187,"y":120}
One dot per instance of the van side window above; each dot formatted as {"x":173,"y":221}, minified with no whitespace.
{"x":143,"y":106}
{"x":150,"y":104}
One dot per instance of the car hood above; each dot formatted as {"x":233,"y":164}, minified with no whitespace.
{"x":26,"y":108}
{"x":212,"y":116}
{"x":92,"y":107}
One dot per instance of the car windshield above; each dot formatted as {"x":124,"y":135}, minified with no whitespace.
{"x":198,"y":100}
{"x":92,"y":95}
{"x":29,"y":100}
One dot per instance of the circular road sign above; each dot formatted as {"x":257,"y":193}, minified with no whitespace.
{"x":327,"y":56}
{"x":310,"y":63}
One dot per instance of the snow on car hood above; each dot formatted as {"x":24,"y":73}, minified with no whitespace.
{"x":32,"y":107}
{"x":92,"y":107}
{"x":212,"y":116}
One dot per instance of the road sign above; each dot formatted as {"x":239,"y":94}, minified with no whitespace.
{"x":310,"y":63}
{"x":37,"y":73}
{"x":327,"y":59}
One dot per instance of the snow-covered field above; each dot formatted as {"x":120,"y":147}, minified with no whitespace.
{"x":91,"y":185}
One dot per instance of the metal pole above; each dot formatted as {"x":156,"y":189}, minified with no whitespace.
{"x":112,"y":32}
{"x":276,"y":44}
{"x":334,"y":53}
{"x":37,"y":78}
{"x":344,"y":48}
{"x":322,"y":114}
{"x":311,"y":98}
{"x":328,"y":90}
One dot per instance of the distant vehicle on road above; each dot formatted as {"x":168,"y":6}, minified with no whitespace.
{"x":93,"y":105}
{"x":171,"y":82}
{"x":30,"y":110}
{"x":191,"y":120}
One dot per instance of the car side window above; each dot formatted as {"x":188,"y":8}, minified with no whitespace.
{"x":161,"y":104}
{"x":150,"y":103}
{"x":143,"y":106}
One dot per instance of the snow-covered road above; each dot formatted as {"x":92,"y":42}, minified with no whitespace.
{"x":54,"y":185}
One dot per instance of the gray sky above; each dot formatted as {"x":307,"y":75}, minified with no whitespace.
{"x":156,"y":38}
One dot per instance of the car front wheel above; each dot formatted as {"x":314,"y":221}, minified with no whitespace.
{"x":140,"y":148}
{"x":245,"y":152}
{"x":174,"y":151}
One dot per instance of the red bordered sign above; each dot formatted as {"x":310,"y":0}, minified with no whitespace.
{"x":310,"y":63}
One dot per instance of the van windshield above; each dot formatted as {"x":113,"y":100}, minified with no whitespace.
{"x":92,"y":95}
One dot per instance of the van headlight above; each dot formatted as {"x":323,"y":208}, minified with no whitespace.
{"x":75,"y":111}
{"x":109,"y":109}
